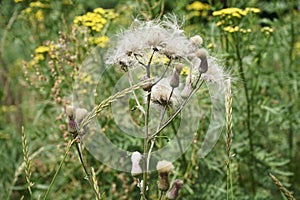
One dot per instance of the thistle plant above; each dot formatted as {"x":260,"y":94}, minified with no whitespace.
{"x":159,"y":50}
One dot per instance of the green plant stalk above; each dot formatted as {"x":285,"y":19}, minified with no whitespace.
{"x":146,"y":148}
{"x":27,"y":162}
{"x":85,"y":170}
{"x":289,"y":70}
{"x":249,"y":115}
{"x":164,"y":125}
{"x":229,"y":134}
{"x":59,"y":168}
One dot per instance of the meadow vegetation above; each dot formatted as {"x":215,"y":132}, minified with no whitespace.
{"x":55,"y":52}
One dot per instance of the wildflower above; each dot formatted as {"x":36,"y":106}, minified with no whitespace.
{"x":174,"y":82}
{"x":185,"y":71}
{"x":202,"y":54}
{"x":254,"y":10}
{"x":267,"y":30}
{"x":231,"y":29}
{"x":215,"y":74}
{"x":38,"y":4}
{"x":160,"y":94}
{"x":197,"y":5}
{"x":80,"y":114}
{"x":163,"y":168}
{"x":164,"y":37}
{"x":135,"y":160}
{"x":72,"y":126}
{"x":75,"y":116}
{"x":42,"y":49}
{"x":173,"y":193}
{"x":197,"y":40}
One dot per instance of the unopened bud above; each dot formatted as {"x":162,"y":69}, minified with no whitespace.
{"x":135,"y":160}
{"x":163,"y":168}
{"x":70,"y":111}
{"x":173,"y":193}
{"x":202,"y":54}
{"x":178,"y":67}
{"x":174,"y":82}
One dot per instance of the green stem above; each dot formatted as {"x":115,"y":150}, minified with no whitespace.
{"x":78,"y":148}
{"x":59,"y":168}
{"x":248,"y":120}
{"x":145,"y":171}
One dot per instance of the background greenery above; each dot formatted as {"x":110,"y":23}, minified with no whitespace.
{"x":266,"y":115}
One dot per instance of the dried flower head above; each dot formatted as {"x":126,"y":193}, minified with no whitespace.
{"x":163,"y":36}
{"x":160,"y":94}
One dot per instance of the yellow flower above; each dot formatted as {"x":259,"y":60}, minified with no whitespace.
{"x":18,"y":1}
{"x":38,"y":57}
{"x":197,"y":5}
{"x":95,"y":20}
{"x":42,"y":49}
{"x":236,"y":15}
{"x":28,"y":10}
{"x":185,"y":71}
{"x":38,"y":4}
{"x":99,"y":10}
{"x":39,"y":15}
{"x":267,"y":30}
{"x":231,"y":29}
{"x":254,"y":10}
{"x":219,"y":23}
{"x":235,"y":12}
{"x":101,"y":41}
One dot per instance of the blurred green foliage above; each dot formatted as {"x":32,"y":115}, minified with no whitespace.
{"x":40,"y":51}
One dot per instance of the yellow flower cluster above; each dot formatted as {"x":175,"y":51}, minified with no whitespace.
{"x":197,"y":9}
{"x":197,"y":5}
{"x":95,"y":20}
{"x":232,"y":29}
{"x":185,"y":71}
{"x":267,"y":30}
{"x":35,"y":10}
{"x":40,"y":53}
{"x":101,"y":41}
{"x":235,"y":12}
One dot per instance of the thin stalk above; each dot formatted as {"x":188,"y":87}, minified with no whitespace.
{"x":161,"y":196}
{"x":139,"y":106}
{"x":59,"y":168}
{"x":290,"y":98}
{"x":178,"y":109}
{"x":248,"y":120}
{"x":78,"y":148}
{"x":229,"y":135}
{"x":145,"y":172}
{"x":162,"y":115}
